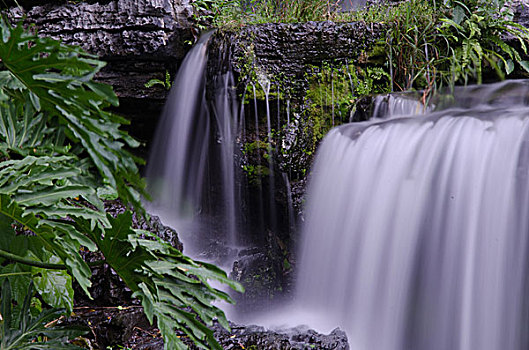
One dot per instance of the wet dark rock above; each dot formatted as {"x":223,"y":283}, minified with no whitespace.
{"x":110,"y":326}
{"x":217,"y":252}
{"x":248,"y":337}
{"x":151,"y":223}
{"x":363,"y":110}
{"x":256,"y":338}
{"x":107,"y":288}
{"x":520,"y":10}
{"x":139,"y":39}
{"x":265,"y":275}
{"x":286,"y":51}
{"x":286,"y":54}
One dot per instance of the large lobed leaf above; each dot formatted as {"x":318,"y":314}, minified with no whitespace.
{"x":24,"y":331}
{"x":166,"y":281}
{"x":53,"y":134}
{"x":56,"y":79}
{"x":57,"y":238}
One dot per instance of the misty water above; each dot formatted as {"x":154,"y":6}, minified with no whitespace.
{"x":416,"y":234}
{"x":191,"y":173}
{"x":416,"y":223}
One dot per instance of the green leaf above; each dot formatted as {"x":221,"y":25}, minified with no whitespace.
{"x":153,"y":82}
{"x":54,"y":238}
{"x":5,"y":306}
{"x":165,"y":281}
{"x":63,"y":150}
{"x":26,"y":331}
{"x":509,"y":68}
{"x":35,"y":101}
{"x":57,"y":79}
{"x":19,"y":277}
{"x":50,"y":196}
{"x":459,"y":15}
{"x":54,"y":286}
{"x":524,"y":65}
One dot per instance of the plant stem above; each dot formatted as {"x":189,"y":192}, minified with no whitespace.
{"x":19,"y":259}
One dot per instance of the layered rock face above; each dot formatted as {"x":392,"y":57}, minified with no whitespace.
{"x":288,"y":50}
{"x":139,"y":39}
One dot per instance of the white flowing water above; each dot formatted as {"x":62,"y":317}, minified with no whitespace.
{"x":416,"y":231}
{"x":175,"y":171}
{"x":398,"y":105}
{"x":191,"y":172}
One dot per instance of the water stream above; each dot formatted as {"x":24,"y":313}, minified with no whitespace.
{"x":416,"y":231}
{"x":191,"y":172}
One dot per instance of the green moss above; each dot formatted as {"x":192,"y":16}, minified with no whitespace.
{"x":286,"y":264}
{"x":255,"y":146}
{"x":333,"y":91}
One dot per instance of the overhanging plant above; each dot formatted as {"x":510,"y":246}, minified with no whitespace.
{"x":61,"y":152}
{"x":474,"y":33}
{"x":22,"y":329}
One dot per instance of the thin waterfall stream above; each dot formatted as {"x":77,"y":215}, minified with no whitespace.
{"x":191,"y":173}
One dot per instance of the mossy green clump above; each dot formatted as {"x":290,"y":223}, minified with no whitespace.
{"x":334,"y":90}
{"x":331,"y":92}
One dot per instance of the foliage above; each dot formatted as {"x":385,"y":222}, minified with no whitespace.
{"x":166,"y":84}
{"x":239,"y":12}
{"x":431,"y":44}
{"x":474,"y":33}
{"x":60,"y":154}
{"x":27,"y":331}
{"x":411,"y":47}
{"x":164,"y":280}
{"x":58,"y":79}
{"x":334,"y":90}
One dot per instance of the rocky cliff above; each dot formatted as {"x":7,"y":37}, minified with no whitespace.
{"x":139,"y":39}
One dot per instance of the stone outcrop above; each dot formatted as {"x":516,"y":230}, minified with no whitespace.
{"x":286,"y":51}
{"x":254,"y":337}
{"x":139,"y":39}
{"x":287,"y":56}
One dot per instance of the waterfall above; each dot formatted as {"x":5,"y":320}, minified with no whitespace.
{"x":416,"y":231}
{"x":178,"y":155}
{"x":191,"y":172}
{"x":398,"y":105}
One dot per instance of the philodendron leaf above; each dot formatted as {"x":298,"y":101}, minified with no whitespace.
{"x":24,"y":331}
{"x":57,"y":79}
{"x":19,"y":277}
{"x":54,"y":286}
{"x":166,"y":281}
{"x":509,"y":68}
{"x":54,"y":238}
{"x":50,"y":196}
{"x":525,"y":65}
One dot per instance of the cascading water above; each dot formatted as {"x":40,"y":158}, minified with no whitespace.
{"x":191,"y":172}
{"x":398,"y":105}
{"x":194,"y":172}
{"x":416,"y":232}
{"x":176,"y":182}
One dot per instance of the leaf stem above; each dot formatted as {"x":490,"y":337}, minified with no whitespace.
{"x":19,"y":259}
